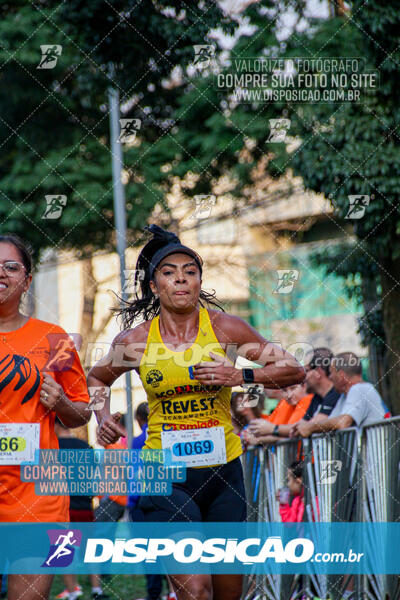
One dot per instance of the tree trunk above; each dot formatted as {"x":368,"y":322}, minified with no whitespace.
{"x":337,"y":8}
{"x":377,"y":360}
{"x":340,"y":8}
{"x":89,"y":285}
{"x":390,"y":278}
{"x":89,"y":334}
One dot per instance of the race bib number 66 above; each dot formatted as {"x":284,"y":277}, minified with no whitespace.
{"x":18,"y":442}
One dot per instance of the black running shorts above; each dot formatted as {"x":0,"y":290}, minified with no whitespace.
{"x":213,"y":494}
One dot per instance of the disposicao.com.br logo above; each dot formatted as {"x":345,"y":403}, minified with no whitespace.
{"x":131,"y":548}
{"x":191,"y":550}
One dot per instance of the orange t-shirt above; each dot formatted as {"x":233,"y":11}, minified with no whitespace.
{"x":123,"y":500}
{"x":281,"y":414}
{"x":25,"y":354}
{"x":300,"y":409}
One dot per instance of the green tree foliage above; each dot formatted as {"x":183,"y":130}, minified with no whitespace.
{"x":353,"y":149}
{"x":210,"y":130}
{"x":54,"y":124}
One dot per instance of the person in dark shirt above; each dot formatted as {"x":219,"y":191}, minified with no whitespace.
{"x":77,"y":504}
{"x":318,"y":382}
{"x":111,"y":508}
{"x":141,"y":416}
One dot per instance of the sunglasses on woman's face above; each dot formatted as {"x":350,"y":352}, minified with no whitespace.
{"x":12,"y":267}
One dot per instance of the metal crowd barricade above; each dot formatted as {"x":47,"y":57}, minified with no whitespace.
{"x":331,"y":480}
{"x":380,"y":494}
{"x":266,"y":472}
{"x":252,"y":462}
{"x":348,"y":476}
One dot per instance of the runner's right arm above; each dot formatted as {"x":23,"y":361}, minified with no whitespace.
{"x":125,"y":354}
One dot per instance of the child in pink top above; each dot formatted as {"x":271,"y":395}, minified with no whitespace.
{"x":292,"y":512}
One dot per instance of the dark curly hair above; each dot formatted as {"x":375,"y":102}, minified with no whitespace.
{"x":297,"y":468}
{"x":144,"y":304}
{"x":24,"y":249}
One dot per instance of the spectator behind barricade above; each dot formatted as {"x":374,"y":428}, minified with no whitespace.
{"x":112,"y":508}
{"x":291,"y":499}
{"x":245,"y":408}
{"x":283,"y":410}
{"x":319,"y":383}
{"x":359,"y":403}
{"x":267,"y":432}
{"x":238,"y":420}
{"x":325,"y":396}
{"x":80,"y":511}
{"x":280,"y":414}
{"x":272,"y":398}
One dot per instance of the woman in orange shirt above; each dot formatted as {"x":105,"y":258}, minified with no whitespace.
{"x":40,"y":377}
{"x":281,"y":421}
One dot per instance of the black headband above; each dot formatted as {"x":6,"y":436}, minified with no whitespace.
{"x":172,"y":248}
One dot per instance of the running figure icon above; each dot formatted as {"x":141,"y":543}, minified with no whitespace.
{"x":62,"y":550}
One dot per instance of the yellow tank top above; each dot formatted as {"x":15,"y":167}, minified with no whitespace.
{"x":177,"y":402}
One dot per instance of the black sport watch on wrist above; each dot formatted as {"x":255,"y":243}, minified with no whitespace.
{"x":248,"y":375}
{"x":275,"y":430}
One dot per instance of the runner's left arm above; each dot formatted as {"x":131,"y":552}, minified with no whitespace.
{"x":279,"y":369}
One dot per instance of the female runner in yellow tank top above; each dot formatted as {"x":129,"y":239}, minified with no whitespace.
{"x":185,"y":356}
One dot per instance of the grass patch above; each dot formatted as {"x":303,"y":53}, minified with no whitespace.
{"x":118,"y":587}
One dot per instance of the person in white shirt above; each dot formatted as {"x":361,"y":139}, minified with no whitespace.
{"x":359,"y":403}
